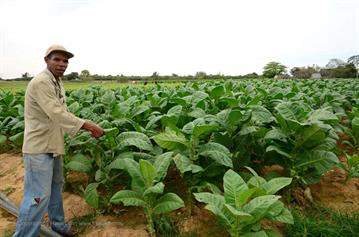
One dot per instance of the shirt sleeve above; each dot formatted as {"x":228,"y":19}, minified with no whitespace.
{"x":48,"y":101}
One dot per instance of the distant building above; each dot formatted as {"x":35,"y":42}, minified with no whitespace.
{"x":316,"y":75}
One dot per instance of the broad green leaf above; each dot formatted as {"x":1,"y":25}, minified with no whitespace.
{"x":196,"y":168}
{"x":220,"y":216}
{"x":203,"y":129}
{"x":17,"y":139}
{"x":175,"y":111}
{"x":167,"y":203}
{"x":118,"y":164}
{"x":121,"y":122}
{"x":276,"y":134}
{"x":137,"y":139}
{"x":278,"y":150}
{"x":217,"y":152}
{"x":111,"y":132}
{"x":245,"y":130}
{"x":217,"y":92}
{"x":292,"y":111}
{"x":258,"y":207}
{"x":74,"y":107}
{"x":261,"y":115}
{"x":153,"y":120}
{"x":170,"y":139}
{"x":197,"y":113}
{"x":253,"y":172}
{"x":157,"y":189}
{"x":79,"y":163}
{"x":322,"y":161}
{"x":328,"y":144}
{"x":139,"y":110}
{"x":256,"y":181}
{"x":244,"y":196}
{"x":322,"y":115}
{"x":285,"y":217}
{"x":133,"y":169}
{"x":100,"y":176}
{"x":210,"y":198}
{"x":2,"y":139}
{"x":182,"y":163}
{"x":18,"y":126}
{"x":91,"y":195}
{"x":148,"y":172}
{"x":128,"y":198}
{"x":239,"y":216}
{"x":80,"y":139}
{"x":108,"y":98}
{"x":126,"y":154}
{"x":233,"y":185}
{"x":196,"y":97}
{"x":234,"y":117}
{"x":276,"y":184}
{"x":310,"y":136}
{"x":275,"y":209}
{"x":161,"y":165}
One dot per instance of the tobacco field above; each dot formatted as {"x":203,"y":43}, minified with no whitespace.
{"x":206,"y":144}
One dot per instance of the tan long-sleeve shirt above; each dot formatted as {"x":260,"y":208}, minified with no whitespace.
{"x":46,"y":116}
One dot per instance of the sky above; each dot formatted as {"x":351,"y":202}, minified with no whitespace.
{"x":139,"y":37}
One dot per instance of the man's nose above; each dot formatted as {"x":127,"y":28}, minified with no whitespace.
{"x":63,"y":64}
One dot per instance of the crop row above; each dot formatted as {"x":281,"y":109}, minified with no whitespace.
{"x":208,"y":132}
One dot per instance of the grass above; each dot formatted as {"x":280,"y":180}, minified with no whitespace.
{"x":7,"y":191}
{"x":323,"y":222}
{"x":83,"y":222}
{"x":7,"y":234}
{"x":15,"y":86}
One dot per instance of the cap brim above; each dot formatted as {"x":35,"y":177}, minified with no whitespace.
{"x":68,"y":54}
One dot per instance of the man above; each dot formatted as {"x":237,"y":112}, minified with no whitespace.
{"x":46,"y":121}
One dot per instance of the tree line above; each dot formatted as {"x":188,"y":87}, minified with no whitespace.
{"x":335,"y":68}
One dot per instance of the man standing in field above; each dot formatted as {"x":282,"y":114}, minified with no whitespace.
{"x":46,"y":121}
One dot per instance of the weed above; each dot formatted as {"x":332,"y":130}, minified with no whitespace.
{"x":323,"y":222}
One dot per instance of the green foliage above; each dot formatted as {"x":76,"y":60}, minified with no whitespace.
{"x":342,"y":71}
{"x":351,"y":166}
{"x":243,"y":205}
{"x":209,"y":127}
{"x":147,"y":188}
{"x":323,"y":222}
{"x":273,"y":69}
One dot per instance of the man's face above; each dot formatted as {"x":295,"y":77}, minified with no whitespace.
{"x":57,"y":63}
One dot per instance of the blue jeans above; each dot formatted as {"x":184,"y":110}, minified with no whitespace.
{"x":42,"y":192}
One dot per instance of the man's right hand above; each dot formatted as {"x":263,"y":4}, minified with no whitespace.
{"x":95,"y":130}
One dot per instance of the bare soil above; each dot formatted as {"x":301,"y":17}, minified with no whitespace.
{"x":333,"y":191}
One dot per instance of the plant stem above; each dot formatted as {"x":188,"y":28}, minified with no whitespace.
{"x":150,"y":226}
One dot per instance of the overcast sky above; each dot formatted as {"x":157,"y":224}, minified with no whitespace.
{"x":139,"y":37}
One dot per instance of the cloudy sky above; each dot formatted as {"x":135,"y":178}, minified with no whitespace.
{"x":139,"y":37}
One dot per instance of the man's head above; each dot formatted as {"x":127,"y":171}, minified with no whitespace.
{"x":57,"y":60}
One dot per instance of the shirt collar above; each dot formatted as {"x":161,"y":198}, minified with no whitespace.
{"x":53,"y":79}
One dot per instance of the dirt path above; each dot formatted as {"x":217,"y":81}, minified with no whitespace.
{"x":11,"y":183}
{"x":335,"y":192}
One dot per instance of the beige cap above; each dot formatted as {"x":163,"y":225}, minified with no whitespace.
{"x":57,"y":47}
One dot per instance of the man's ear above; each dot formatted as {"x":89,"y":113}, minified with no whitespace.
{"x":46,"y":59}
